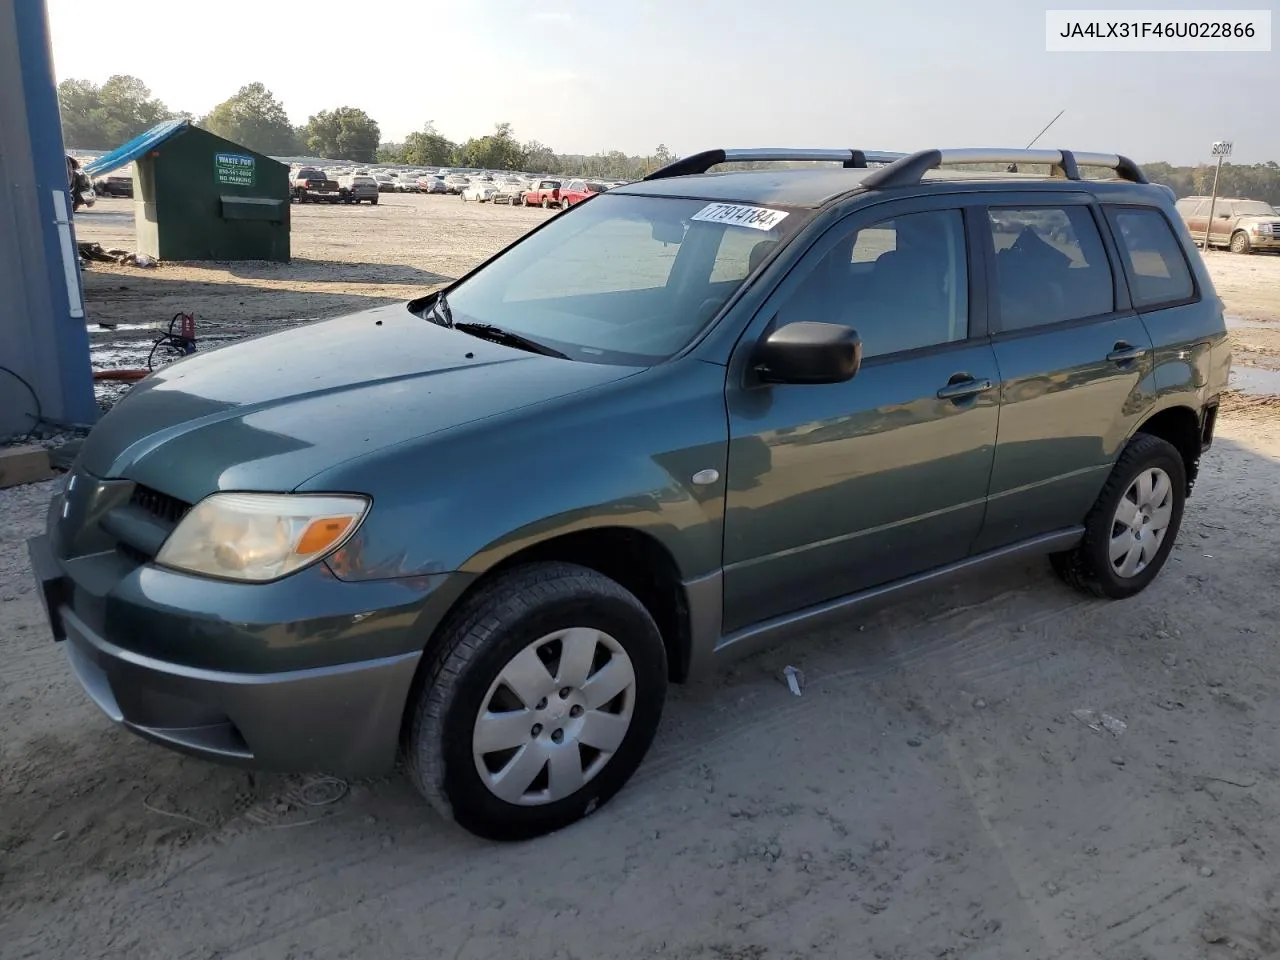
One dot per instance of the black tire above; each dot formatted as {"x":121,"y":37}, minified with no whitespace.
{"x":1088,"y":567}
{"x":546,"y":203}
{"x":491,"y":627}
{"x":373,"y":201}
{"x":1240,"y":242}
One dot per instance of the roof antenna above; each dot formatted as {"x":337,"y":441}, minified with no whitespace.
{"x":1013,"y":167}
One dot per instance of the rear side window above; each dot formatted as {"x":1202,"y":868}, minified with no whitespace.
{"x":1051,"y":266}
{"x":1153,"y":258}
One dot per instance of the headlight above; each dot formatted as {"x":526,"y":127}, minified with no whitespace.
{"x":260,"y":536}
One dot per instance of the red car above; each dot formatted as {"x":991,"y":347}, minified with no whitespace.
{"x":545,"y":193}
{"x":575,"y":191}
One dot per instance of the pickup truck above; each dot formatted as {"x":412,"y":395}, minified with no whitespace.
{"x":312,"y":184}
{"x":545,"y":193}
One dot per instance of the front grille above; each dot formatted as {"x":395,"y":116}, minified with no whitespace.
{"x":167,"y":509}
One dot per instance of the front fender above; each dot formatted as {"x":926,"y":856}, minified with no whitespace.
{"x":621,"y":455}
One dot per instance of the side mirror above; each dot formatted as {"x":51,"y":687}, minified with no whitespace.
{"x":809,"y":353}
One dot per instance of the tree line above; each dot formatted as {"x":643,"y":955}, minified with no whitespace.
{"x":105,"y":116}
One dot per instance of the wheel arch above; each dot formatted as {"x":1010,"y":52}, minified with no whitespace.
{"x":631,"y":557}
{"x":1180,"y":426}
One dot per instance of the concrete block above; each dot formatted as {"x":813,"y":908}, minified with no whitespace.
{"x":23,"y":465}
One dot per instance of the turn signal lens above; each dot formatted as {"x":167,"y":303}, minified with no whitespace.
{"x":322,"y":535}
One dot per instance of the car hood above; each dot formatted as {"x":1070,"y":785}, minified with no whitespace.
{"x":268,"y":413}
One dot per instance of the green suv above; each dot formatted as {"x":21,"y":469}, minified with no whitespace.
{"x":668,"y":426}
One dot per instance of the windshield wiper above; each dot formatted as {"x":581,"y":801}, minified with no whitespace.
{"x":507,"y":338}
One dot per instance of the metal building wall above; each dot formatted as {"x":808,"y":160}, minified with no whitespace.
{"x":43,"y":337}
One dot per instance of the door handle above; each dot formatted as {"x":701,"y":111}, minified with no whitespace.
{"x":963,"y":389}
{"x":1124,"y":352}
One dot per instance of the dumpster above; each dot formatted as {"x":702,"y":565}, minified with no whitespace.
{"x":199,"y":197}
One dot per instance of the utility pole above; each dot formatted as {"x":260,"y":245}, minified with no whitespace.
{"x":1220,"y":149}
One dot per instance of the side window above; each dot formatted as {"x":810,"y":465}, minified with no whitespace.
{"x":1051,"y":266}
{"x":1224,"y":208}
{"x":1153,"y":258}
{"x":901,"y":283}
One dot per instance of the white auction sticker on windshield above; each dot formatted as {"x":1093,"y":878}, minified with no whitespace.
{"x":740,"y":215}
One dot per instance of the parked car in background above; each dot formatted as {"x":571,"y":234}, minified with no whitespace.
{"x":385,"y":183}
{"x":115,"y":185}
{"x":314,"y":185}
{"x":357,"y":188}
{"x":406,"y":183}
{"x":455,"y":182}
{"x":432,"y":183}
{"x":510,"y":190}
{"x":575,"y":191}
{"x":1242,"y":226}
{"x":545,"y":193}
{"x":480,"y":190}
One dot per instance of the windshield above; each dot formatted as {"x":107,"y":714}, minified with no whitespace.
{"x":623,"y":279}
{"x":1253,"y":208}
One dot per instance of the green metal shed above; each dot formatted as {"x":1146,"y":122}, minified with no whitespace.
{"x":199,"y":197}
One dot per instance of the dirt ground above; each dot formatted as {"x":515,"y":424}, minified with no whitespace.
{"x":952,"y":783}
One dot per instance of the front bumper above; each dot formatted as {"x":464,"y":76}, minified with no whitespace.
{"x":343,"y":719}
{"x":1264,"y":241}
{"x":310,"y":673}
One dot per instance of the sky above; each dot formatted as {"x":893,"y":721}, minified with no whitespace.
{"x":584,"y":77}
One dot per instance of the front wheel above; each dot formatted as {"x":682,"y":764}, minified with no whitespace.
{"x":1130,"y":531}
{"x":539,"y":703}
{"x":1240,"y":242}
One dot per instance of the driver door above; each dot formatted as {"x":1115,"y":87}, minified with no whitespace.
{"x":835,"y":488}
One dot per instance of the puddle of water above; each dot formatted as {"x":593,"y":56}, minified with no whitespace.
{"x":1255,"y":380}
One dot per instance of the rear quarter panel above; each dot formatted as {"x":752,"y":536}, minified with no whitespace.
{"x":1192,"y":353}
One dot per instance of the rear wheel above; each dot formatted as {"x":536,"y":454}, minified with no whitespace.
{"x":546,"y":203}
{"x":373,"y":201}
{"x":1131,"y":528}
{"x":1240,"y":242}
{"x":539,"y":704}
{"x":564,"y":204}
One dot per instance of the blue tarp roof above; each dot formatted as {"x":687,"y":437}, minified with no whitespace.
{"x":137,"y":147}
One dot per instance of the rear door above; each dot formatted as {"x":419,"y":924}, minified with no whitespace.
{"x":834,"y":488}
{"x":1224,"y":215}
{"x":1075,"y":363}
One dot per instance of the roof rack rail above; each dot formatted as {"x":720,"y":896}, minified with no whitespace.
{"x":704,"y":161}
{"x":911,"y":169}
